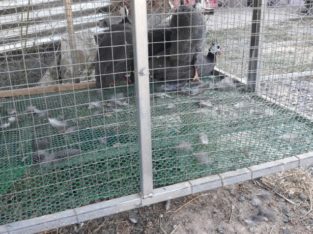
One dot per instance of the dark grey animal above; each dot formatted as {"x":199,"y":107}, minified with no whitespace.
{"x":43,"y":156}
{"x":114,"y":61}
{"x":182,"y":42}
{"x":40,"y":144}
{"x":115,"y":54}
{"x":188,"y":29}
{"x":200,"y":66}
{"x":159,"y":41}
{"x":308,"y":7}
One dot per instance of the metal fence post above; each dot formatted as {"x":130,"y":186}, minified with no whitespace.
{"x":71,"y":38}
{"x":255,"y":44}
{"x":140,"y":43}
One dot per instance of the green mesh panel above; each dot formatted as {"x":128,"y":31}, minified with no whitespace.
{"x":100,"y":172}
{"x":242,"y":130}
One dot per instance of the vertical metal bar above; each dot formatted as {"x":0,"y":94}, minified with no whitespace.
{"x":140,"y":44}
{"x":254,"y":56}
{"x":261,"y":40}
{"x":71,"y":38}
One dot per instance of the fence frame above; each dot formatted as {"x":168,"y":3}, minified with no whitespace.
{"x":140,"y":37}
{"x":71,"y":37}
{"x":259,"y":7}
{"x":101,"y":209}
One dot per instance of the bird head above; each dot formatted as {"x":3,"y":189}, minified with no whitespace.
{"x":124,"y":12}
{"x":215,"y":48}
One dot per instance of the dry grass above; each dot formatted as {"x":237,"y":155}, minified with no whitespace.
{"x":295,"y":186}
{"x":222,"y":206}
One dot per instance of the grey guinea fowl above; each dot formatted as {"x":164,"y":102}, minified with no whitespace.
{"x":200,"y":66}
{"x":204,"y":65}
{"x":114,"y":60}
{"x":159,"y":41}
{"x":188,"y":29}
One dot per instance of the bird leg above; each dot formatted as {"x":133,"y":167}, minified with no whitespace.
{"x":196,"y":76}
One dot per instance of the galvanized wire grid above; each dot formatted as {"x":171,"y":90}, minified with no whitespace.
{"x":63,"y":150}
{"x":201,"y":131}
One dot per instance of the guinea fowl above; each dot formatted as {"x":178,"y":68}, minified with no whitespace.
{"x":114,"y":60}
{"x":188,"y":28}
{"x":178,"y":59}
{"x":200,"y":66}
{"x":159,"y":41}
{"x":182,"y":42}
{"x":204,"y":65}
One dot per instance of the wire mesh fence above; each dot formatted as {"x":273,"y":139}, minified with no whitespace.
{"x":70,"y":133}
{"x":216,"y":126}
{"x":51,"y":144}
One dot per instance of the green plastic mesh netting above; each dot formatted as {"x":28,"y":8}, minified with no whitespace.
{"x":234,"y":129}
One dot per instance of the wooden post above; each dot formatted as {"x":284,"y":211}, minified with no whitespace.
{"x":37,"y":90}
{"x":254,"y":56}
{"x":71,"y":38}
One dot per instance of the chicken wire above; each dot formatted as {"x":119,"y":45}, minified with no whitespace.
{"x":68,"y":149}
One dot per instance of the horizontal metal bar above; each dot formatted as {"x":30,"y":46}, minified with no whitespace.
{"x":52,"y":26}
{"x":102,"y":209}
{"x":31,"y":42}
{"x":9,"y":4}
{"x":55,"y":11}
{"x":286,"y":76}
{"x":242,"y":80}
{"x":114,"y":206}
{"x":282,"y":76}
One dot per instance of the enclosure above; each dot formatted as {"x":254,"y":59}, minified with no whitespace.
{"x":82,"y":137}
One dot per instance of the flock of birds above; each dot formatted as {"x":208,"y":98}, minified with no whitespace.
{"x":175,"y":52}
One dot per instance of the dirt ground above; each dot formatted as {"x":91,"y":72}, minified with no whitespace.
{"x":279,"y":204}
